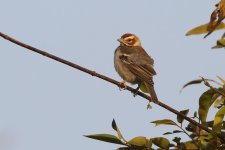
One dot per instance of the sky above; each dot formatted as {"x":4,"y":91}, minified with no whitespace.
{"x":47,"y":105}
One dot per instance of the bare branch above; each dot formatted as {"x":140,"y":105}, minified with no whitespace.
{"x":103,"y":77}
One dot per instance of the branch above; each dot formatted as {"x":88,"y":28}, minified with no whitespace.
{"x":212,"y":88}
{"x":93,"y":73}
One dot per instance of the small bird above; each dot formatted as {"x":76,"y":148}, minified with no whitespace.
{"x":134,"y":65}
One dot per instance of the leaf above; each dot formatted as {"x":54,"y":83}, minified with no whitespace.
{"x":192,"y":128}
{"x":106,"y":138}
{"x":180,"y":119}
{"x":216,"y":18}
{"x":177,"y":140}
{"x":218,"y":120}
{"x":190,"y":145}
{"x":205,"y":101}
{"x":140,"y":141}
{"x":161,"y":142}
{"x":219,"y":44}
{"x":198,"y":81}
{"x":175,"y":131}
{"x":167,"y":133}
{"x":143,"y":88}
{"x":219,"y":102}
{"x":209,"y":141}
{"x":221,"y":79}
{"x":125,"y":148}
{"x":203,"y":29}
{"x":164,"y":122}
{"x":114,"y":126}
{"x":149,"y":106}
{"x":195,"y":114}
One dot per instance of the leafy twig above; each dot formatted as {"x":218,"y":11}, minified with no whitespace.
{"x":103,"y":77}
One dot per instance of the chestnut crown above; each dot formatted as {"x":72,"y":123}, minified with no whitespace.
{"x":129,"y":39}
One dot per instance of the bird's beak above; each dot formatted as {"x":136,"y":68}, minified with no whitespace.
{"x":120,"y":40}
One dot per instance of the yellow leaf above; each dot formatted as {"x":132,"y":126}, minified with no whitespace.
{"x":204,"y":29}
{"x":221,"y":79}
{"x":217,"y":46}
{"x":139,"y":141}
{"x":220,"y":43}
{"x":218,"y":102}
{"x":216,"y":18}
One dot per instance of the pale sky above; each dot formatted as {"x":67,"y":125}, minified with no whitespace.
{"x":45,"y":105}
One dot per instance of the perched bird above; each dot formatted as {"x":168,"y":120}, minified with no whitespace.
{"x":134,"y":65}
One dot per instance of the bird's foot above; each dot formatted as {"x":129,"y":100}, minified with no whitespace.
{"x":136,"y":91}
{"x":122,"y":85}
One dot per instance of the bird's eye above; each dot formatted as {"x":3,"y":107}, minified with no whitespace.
{"x":129,"y":40}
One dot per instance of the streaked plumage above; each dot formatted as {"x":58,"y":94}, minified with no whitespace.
{"x":133,"y":64}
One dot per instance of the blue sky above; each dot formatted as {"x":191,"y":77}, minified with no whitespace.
{"x":47,"y":105}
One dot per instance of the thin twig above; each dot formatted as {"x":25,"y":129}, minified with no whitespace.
{"x":103,"y":77}
{"x":212,"y":88}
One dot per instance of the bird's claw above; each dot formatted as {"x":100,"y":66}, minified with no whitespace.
{"x":122,"y":86}
{"x":136,"y":91}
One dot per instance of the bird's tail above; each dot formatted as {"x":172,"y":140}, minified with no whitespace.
{"x":151,"y":91}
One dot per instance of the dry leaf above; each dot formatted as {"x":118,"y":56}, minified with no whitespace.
{"x":216,"y":17}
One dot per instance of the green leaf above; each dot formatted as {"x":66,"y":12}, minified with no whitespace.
{"x":219,"y":102}
{"x":106,"y":138}
{"x":190,"y":145}
{"x":114,"y":126}
{"x":161,"y":142}
{"x":218,"y":120}
{"x":164,"y":122}
{"x":198,"y":81}
{"x":175,"y":131}
{"x":180,"y":119}
{"x":195,"y":114}
{"x":203,"y":29}
{"x":191,"y":128}
{"x":209,"y":142}
{"x":177,"y":140}
{"x":167,"y":133}
{"x":149,"y":106}
{"x":143,"y":88}
{"x":125,"y":148}
{"x":140,"y":141}
{"x":205,"y":101}
{"x":210,"y":124}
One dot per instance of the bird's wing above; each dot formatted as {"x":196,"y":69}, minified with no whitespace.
{"x":143,"y":71}
{"x":139,"y":58}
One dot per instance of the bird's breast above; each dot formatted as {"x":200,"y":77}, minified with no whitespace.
{"x":122,"y":69}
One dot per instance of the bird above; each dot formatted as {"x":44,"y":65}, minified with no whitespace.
{"x":134,"y":65}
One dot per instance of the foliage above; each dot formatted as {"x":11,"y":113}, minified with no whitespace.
{"x":214,"y":24}
{"x":199,"y":139}
{"x":213,"y":97}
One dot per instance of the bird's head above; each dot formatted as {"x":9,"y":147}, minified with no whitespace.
{"x":129,"y":39}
